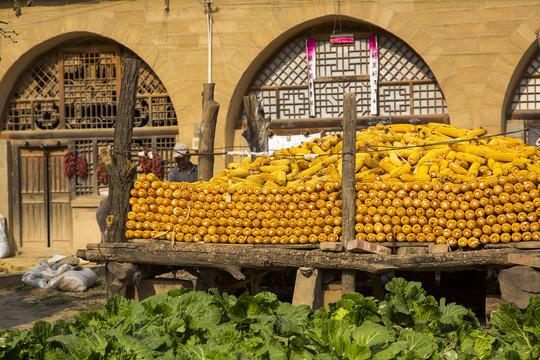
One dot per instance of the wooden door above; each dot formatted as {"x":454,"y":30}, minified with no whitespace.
{"x":45,"y":202}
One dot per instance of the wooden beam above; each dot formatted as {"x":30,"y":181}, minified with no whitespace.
{"x":208,"y":133}
{"x":277,"y":257}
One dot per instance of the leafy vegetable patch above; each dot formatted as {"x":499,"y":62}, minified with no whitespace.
{"x":184,"y":324}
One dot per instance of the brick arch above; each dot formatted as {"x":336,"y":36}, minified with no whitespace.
{"x":527,"y":48}
{"x":59,"y":31}
{"x":376,"y":19}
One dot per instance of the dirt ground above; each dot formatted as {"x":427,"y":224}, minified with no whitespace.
{"x":21,"y":305}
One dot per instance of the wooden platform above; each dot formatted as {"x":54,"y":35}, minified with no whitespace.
{"x":296,"y":256}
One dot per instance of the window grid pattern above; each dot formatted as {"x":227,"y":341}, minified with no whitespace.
{"x":407,"y":87}
{"x":88,"y":82}
{"x":90,"y":89}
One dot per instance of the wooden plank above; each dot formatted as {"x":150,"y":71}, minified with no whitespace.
{"x":357,"y":245}
{"x":277,"y":257}
{"x":331,"y":246}
{"x":525,"y":259}
{"x":517,"y":245}
{"x":349,"y":160}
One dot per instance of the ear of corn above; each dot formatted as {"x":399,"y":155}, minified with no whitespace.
{"x":503,"y":156}
{"x":451,"y":131}
{"x":470,"y":158}
{"x":272,"y":168}
{"x":401,"y":128}
{"x":414,"y":157}
{"x":239,"y":173}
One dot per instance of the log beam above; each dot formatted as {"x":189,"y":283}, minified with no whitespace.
{"x":276,"y":257}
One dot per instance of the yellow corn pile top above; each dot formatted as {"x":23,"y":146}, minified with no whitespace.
{"x":426,"y":183}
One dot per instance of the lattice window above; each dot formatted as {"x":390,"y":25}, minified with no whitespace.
{"x":77,"y":89}
{"x":407,"y":87}
{"x":524,"y":109}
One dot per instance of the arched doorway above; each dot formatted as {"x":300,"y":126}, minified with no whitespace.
{"x":405,"y":89}
{"x":522,"y":111}
{"x":66,"y":101}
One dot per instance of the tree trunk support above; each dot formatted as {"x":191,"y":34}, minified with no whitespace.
{"x":208,"y":133}
{"x":256,"y":133}
{"x":120,"y":170}
{"x":348,"y":277}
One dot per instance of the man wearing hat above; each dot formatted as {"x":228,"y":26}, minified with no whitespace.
{"x":184,"y":171}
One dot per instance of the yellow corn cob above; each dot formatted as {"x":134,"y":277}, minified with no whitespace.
{"x":404,"y":169}
{"x":366,"y":178}
{"x":280,"y":162}
{"x":394,"y":158}
{"x":521,"y":163}
{"x":500,"y":155}
{"x":444,"y":173}
{"x":299,"y":151}
{"x":281,"y":177}
{"x":422,"y":170}
{"x":413,"y":139}
{"x":268,"y":176}
{"x":470,"y":158}
{"x":401,"y":128}
{"x":312,"y":170}
{"x":270,"y":184}
{"x":338,"y":148}
{"x":443,"y":164}
{"x":451,"y":155}
{"x":254,"y":177}
{"x":490,"y":163}
{"x":316,"y":149}
{"x":528,"y":151}
{"x":440,"y":137}
{"x":387,"y":166}
{"x":497,"y":169}
{"x":451,"y":131}
{"x":272,"y":168}
{"x":431,"y":155}
{"x":433,"y":170}
{"x":414,"y":157}
{"x":295,"y":169}
{"x":473,"y":169}
{"x":371,"y":163}
{"x":329,"y":143}
{"x":415,"y":177}
{"x":332,"y":171}
{"x":302,"y":164}
{"x":359,"y":162}
{"x":239,"y":173}
{"x":458,"y":169}
{"x":470,"y":149}
{"x":339,"y":167}
{"x":508,"y":165}
{"x":219,"y":179}
{"x":327,"y":160}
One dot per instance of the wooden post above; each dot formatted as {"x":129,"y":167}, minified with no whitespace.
{"x":256,"y":133}
{"x":208,"y":133}
{"x":348,"y":182}
{"x":120,"y":170}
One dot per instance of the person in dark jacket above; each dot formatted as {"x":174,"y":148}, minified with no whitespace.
{"x":185,"y":170}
